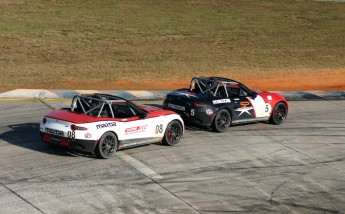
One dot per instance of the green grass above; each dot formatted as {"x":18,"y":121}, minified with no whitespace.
{"x":51,"y":41}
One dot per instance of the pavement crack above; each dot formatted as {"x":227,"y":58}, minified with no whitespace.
{"x":281,"y":143}
{"x":152,"y":175}
{"x":295,"y":150}
{"x":19,"y":196}
{"x":277,"y":187}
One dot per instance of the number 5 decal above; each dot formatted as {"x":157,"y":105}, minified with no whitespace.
{"x":268,"y":108}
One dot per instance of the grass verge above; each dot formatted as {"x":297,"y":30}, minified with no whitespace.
{"x":74,"y":43}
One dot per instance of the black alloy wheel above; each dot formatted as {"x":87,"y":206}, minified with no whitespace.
{"x":173,"y":133}
{"x":221,"y":121}
{"x":106,"y":146}
{"x":279,"y":113}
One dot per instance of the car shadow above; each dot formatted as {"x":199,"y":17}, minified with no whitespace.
{"x":27,"y":135}
{"x":193,"y":127}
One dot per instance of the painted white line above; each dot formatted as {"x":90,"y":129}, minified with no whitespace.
{"x":139,"y":165}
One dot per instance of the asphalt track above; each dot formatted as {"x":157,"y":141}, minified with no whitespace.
{"x":297,"y":167}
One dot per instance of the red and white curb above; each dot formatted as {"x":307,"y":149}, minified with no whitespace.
{"x":154,"y":95}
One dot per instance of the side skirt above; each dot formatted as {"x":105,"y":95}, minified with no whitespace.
{"x":138,"y":142}
{"x":250,"y":120}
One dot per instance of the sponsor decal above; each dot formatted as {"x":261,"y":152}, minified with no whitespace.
{"x":269,"y":97}
{"x":177,"y":107}
{"x":104,"y":125}
{"x":54,"y":132}
{"x":244,"y":104}
{"x":88,"y":135}
{"x":136,"y":129}
{"x":209,"y":111}
{"x":244,"y":108}
{"x":215,"y":102}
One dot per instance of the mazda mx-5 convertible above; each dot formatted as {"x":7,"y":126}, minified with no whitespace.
{"x":219,"y":102}
{"x":101,"y":124}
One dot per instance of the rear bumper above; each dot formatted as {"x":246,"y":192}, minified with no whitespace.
{"x":197,"y":120}
{"x":74,"y":144}
{"x":197,"y":117}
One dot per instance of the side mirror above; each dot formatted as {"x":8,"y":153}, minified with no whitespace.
{"x":254,"y":95}
{"x":143,"y":115}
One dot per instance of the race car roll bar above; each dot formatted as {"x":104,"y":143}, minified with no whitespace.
{"x":101,"y":105}
{"x":212,"y":85}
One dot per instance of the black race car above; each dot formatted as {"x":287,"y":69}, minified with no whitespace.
{"x":219,"y":102}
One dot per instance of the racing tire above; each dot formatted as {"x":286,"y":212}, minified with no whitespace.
{"x":106,"y":146}
{"x":279,"y":113}
{"x":221,"y":121}
{"x":173,"y":133}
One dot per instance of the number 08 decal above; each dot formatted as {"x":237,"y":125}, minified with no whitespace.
{"x":159,"y":128}
{"x":71,"y":135}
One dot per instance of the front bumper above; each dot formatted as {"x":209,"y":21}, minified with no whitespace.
{"x":74,"y":144}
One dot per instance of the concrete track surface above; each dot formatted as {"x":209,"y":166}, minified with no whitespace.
{"x":297,"y":167}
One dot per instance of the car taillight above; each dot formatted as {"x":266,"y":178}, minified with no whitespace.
{"x":75,"y":127}
{"x":196,"y":104}
{"x":44,"y":120}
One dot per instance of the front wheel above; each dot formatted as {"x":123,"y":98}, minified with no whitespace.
{"x":106,"y":146}
{"x":173,"y":133}
{"x":279,"y":113}
{"x":221,"y":121}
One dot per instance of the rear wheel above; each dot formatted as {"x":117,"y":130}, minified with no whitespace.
{"x":221,"y":121}
{"x":279,"y":113}
{"x":106,"y":146}
{"x":173,"y":133}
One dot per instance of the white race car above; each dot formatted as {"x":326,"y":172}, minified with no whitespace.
{"x":101,"y":124}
